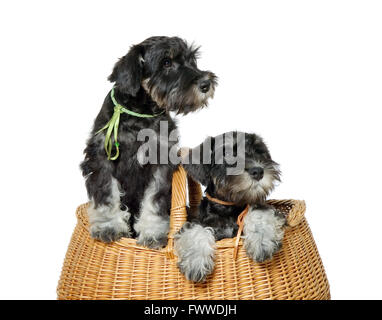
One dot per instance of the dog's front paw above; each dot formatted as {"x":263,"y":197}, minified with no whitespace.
{"x":152,"y":229}
{"x":108,"y":223}
{"x":198,"y":269}
{"x":263,"y":233}
{"x":151,"y":242}
{"x":261,"y":250}
{"x":195,"y":248}
{"x":108,"y":234}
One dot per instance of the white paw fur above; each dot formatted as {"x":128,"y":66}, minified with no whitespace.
{"x":195,"y":248}
{"x":263,"y":233}
{"x":109,"y":223}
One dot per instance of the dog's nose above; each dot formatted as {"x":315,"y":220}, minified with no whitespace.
{"x":204,"y":86}
{"x":257,"y":173}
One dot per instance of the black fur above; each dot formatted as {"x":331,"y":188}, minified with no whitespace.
{"x":167,"y":86}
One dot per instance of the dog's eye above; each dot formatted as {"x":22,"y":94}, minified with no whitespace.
{"x":167,"y":63}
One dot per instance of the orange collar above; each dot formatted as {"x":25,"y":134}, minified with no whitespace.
{"x":239,"y":221}
{"x":226,"y":203}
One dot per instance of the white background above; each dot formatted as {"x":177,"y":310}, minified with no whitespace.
{"x":306,"y":75}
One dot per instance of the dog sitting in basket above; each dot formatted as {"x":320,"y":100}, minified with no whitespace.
{"x":239,"y":173}
{"x":129,"y":196}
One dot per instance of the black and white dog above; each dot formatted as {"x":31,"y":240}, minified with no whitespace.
{"x":227,"y":195}
{"x":128,"y":198}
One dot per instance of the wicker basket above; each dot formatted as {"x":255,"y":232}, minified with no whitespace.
{"x":125,"y":270}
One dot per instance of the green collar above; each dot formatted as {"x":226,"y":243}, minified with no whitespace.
{"x":113,"y":124}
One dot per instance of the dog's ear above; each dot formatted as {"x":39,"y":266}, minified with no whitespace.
{"x":127,"y":72}
{"x":198,"y":163}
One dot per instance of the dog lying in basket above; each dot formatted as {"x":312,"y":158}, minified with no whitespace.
{"x":231,"y":193}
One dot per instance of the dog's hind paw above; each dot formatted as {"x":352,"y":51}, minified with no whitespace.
{"x":263,"y":233}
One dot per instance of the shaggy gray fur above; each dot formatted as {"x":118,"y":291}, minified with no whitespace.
{"x":195,"y":248}
{"x":263,"y":233}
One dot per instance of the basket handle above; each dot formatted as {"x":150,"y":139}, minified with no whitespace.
{"x":178,"y":213}
{"x":195,"y":195}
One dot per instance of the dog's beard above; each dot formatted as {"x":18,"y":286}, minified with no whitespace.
{"x":178,"y":100}
{"x":191,"y":101}
{"x":243,"y":189}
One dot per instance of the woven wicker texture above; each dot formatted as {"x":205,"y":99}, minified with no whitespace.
{"x":125,"y":270}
